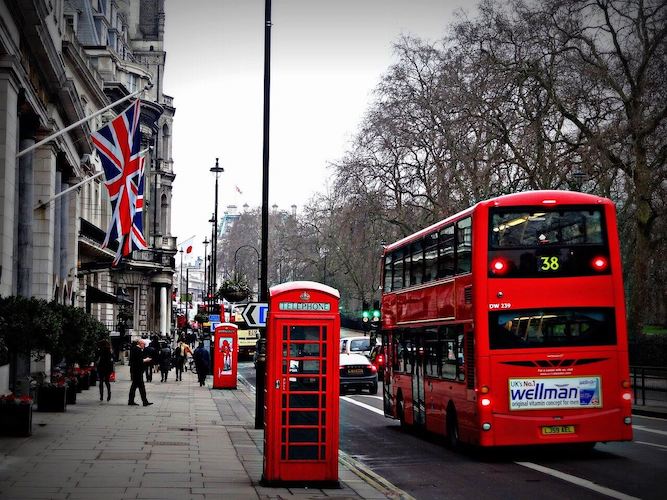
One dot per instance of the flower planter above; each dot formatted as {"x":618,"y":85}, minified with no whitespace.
{"x":71,"y":392}
{"x":83,"y":382}
{"x":16,"y":419}
{"x":52,"y":398}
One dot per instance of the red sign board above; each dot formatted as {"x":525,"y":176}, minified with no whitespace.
{"x":225,"y":356}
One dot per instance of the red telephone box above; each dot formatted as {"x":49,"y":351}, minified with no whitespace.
{"x":225,"y":354}
{"x":302,"y":386}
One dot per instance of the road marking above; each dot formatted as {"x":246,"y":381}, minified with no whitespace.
{"x":363,"y":405}
{"x":369,"y":396}
{"x":651,"y":444}
{"x":244,"y":381}
{"x":646,"y":429}
{"x":584,"y":483}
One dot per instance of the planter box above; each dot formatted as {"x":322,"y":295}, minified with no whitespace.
{"x":71,"y":393}
{"x":15,"y":419}
{"x":84,"y":382}
{"x":51,"y":398}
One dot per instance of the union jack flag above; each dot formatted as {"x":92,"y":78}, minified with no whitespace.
{"x":118,"y":145}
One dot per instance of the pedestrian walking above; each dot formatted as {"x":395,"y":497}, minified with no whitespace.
{"x":150,"y":352}
{"x":164,"y":361}
{"x":138,"y":364}
{"x":202,"y":362}
{"x":180,"y":353}
{"x":155,"y":344}
{"x":104,"y":365}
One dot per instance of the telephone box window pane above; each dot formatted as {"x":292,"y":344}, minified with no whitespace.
{"x":324,"y":418}
{"x":311,"y":333}
{"x":324,"y":333}
{"x":305,"y":366}
{"x":284,"y":349}
{"x":323,"y":452}
{"x":324,"y":350}
{"x":303,"y":435}
{"x":284,"y":401}
{"x":284,"y":419}
{"x":304,"y":350}
{"x":283,"y":452}
{"x":302,"y":453}
{"x":284,"y":435}
{"x":324,"y":401}
{"x":284,"y":366}
{"x":284,"y":333}
{"x":303,"y":418}
{"x":323,"y":435}
{"x":300,"y":384}
{"x":303,"y":400}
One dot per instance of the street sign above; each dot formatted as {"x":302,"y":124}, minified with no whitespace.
{"x":214,"y":318}
{"x":255,"y":314}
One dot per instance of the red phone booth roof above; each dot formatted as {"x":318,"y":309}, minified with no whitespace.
{"x":303,"y":285}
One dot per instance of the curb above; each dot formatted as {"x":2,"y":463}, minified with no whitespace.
{"x":645,"y":412}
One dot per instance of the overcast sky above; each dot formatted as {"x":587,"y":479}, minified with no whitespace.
{"x":326,"y":58}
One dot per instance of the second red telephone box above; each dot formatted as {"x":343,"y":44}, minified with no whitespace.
{"x":225,"y":356}
{"x":302,"y":386}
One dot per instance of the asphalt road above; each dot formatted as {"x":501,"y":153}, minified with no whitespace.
{"x":425,"y":468}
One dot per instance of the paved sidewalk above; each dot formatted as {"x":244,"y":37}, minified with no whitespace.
{"x":192,"y":443}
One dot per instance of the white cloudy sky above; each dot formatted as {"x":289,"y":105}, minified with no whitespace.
{"x":326,"y":58}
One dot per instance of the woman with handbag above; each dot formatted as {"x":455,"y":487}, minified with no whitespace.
{"x":104,"y":366}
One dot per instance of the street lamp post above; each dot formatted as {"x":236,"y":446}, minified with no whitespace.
{"x":205,"y":243}
{"x":210,"y":267}
{"x":259,"y":260}
{"x":214,"y":249}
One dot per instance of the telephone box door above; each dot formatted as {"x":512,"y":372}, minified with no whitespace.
{"x":301,"y":428}
{"x":225,"y":352}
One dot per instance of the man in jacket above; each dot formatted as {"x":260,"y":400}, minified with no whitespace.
{"x":202,"y":362}
{"x":137,"y":366}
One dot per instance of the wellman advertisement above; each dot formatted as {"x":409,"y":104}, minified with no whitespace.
{"x":557,"y":392}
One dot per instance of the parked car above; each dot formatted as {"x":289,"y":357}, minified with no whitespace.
{"x":357,"y":372}
{"x":378,"y":358}
{"x":357,"y":345}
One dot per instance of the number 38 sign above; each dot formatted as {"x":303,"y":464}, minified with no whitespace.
{"x":549,"y":264}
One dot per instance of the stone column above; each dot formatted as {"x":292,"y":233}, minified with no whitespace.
{"x":25,"y":212}
{"x":57,"y":233}
{"x":44,"y":268}
{"x":164,"y":310}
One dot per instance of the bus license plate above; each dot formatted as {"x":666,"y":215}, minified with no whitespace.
{"x":558,"y":429}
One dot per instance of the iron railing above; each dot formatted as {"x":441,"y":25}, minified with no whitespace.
{"x":649,"y":385}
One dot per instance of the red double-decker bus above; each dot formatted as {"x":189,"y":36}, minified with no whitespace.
{"x":505,"y":324}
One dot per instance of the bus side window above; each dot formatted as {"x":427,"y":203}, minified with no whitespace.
{"x":463,"y":246}
{"x":430,"y":257}
{"x":388,"y":279}
{"x":397,"y":277}
{"x":446,"y":262}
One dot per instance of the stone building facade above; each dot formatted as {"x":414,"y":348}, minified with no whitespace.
{"x":61,"y":61}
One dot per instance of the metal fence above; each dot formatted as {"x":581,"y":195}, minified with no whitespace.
{"x":649,"y":384}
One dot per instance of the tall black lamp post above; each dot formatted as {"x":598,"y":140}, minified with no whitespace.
{"x":210,"y":267}
{"x":214,"y":244}
{"x":205,"y":298}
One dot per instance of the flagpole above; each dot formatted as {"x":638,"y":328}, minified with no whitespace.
{"x":86,"y":180}
{"x":83,"y":120}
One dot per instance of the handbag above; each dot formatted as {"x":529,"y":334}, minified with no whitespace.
{"x":112,"y":377}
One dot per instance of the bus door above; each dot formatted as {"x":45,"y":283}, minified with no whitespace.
{"x":418,"y":396}
{"x":389,"y":354}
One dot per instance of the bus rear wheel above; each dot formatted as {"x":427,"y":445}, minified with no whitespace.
{"x":452,"y":430}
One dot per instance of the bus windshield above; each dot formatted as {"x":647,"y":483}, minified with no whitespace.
{"x":547,"y":243}
{"x":552,"y":328}
{"x":536,"y":228}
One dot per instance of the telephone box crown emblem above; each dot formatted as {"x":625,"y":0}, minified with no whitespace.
{"x":304,"y":296}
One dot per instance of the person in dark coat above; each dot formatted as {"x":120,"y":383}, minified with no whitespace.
{"x":150,"y":352}
{"x":104,"y":365}
{"x":164,"y":361}
{"x":202,"y":362}
{"x":138,"y":363}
